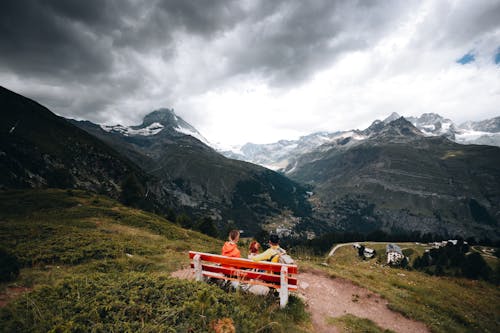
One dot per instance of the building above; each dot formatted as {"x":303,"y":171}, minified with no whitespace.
{"x":369,"y":253}
{"x":365,"y":252}
{"x":394,"y":254}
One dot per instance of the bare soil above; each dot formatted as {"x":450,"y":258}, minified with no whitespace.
{"x":334,"y":297}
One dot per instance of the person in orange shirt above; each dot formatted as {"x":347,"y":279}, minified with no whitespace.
{"x":230,"y":248}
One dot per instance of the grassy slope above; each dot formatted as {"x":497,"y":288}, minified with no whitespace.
{"x":96,"y":265}
{"x":443,"y":304}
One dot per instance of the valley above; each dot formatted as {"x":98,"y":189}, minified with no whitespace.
{"x":391,"y":177}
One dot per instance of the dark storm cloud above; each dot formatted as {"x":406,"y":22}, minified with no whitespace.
{"x":36,"y":40}
{"x":81,"y":45}
{"x":290,"y":40}
{"x":80,"y":38}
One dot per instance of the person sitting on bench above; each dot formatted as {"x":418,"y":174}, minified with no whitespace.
{"x":230,"y":248}
{"x":274,"y":251}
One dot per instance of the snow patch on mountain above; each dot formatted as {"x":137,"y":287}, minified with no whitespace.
{"x":194,"y":134}
{"x":152,"y":129}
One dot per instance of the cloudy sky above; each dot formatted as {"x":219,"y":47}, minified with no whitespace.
{"x":254,"y":71}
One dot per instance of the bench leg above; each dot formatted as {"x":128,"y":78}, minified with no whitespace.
{"x":198,"y":274}
{"x":284,"y":287}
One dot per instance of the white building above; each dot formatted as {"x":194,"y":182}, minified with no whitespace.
{"x":394,"y":254}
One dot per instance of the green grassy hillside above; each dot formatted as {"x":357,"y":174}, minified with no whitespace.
{"x":91,"y":264}
{"x":444,"y":304}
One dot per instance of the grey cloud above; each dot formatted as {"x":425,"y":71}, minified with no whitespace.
{"x":291,"y":40}
{"x":203,"y":17}
{"x":458,"y":23}
{"x":36,"y":41}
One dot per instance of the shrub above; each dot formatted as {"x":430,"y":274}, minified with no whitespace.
{"x":9,"y":266}
{"x":474,"y":267}
{"x":127,"y":302}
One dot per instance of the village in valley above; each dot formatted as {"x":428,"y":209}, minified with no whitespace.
{"x":395,"y":255}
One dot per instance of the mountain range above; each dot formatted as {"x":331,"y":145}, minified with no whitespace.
{"x":398,"y":179}
{"x":398,"y":175}
{"x":278,"y":155}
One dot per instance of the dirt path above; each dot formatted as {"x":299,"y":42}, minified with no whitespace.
{"x":327,"y":297}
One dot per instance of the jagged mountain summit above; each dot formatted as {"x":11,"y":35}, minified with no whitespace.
{"x":432,"y":124}
{"x":161,"y":120}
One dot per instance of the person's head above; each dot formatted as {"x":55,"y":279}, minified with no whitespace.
{"x":234,"y":235}
{"x":274,"y":239}
{"x":254,"y":247}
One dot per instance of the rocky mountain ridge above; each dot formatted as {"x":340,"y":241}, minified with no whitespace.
{"x":281,"y":155}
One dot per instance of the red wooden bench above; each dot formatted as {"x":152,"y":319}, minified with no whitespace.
{"x":246,"y":271}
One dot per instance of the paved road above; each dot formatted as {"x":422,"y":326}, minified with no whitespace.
{"x":338,"y":246}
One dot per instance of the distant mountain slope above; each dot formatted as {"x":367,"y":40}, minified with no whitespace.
{"x":282,"y":154}
{"x":397,"y":179}
{"x":40,"y":149}
{"x":488,"y":125}
{"x":207,"y":183}
{"x":278,"y":155}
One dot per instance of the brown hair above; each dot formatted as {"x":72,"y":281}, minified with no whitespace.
{"x":254,"y":247}
{"x":233,"y":234}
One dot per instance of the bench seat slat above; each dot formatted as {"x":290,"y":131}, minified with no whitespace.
{"x":270,"y":285}
{"x":246,"y":274}
{"x":243,"y":263}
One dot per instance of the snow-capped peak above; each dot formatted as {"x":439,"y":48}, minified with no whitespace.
{"x":161,"y":120}
{"x":392,"y":117}
{"x":432,"y":124}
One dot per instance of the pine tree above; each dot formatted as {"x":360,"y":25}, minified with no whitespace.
{"x":207,"y":226}
{"x":132,"y":191}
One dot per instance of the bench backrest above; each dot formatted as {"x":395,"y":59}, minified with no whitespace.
{"x":245,"y":269}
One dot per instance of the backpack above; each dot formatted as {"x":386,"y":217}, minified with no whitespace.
{"x":281,"y":257}
{"x":286,"y":259}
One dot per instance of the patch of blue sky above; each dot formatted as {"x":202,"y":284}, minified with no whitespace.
{"x":467,"y":58}
{"x":497,"y":57}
